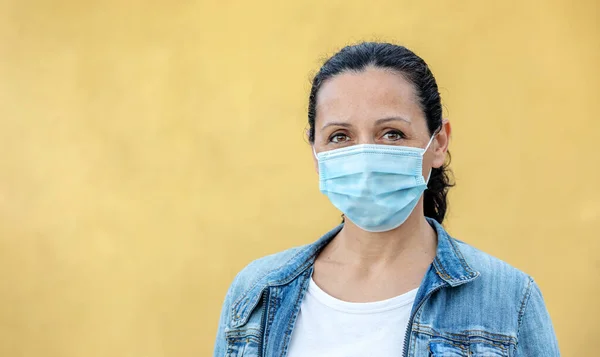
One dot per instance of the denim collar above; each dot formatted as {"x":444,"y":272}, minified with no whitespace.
{"x":449,"y":263}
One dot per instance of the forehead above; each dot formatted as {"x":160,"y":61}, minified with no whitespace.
{"x":373,"y":93}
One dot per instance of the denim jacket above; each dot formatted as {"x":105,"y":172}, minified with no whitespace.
{"x":469,"y":304}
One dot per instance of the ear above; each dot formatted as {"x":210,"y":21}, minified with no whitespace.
{"x":440,"y":144}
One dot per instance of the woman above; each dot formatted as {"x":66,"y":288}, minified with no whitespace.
{"x":389,"y":281}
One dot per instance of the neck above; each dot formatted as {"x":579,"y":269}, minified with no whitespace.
{"x":414,"y":239}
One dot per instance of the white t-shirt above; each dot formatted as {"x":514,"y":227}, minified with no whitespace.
{"x":329,"y":327}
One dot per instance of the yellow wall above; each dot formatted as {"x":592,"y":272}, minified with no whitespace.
{"x":150,"y":149}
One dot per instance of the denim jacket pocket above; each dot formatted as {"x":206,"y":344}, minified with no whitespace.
{"x":488,"y":349}
{"x":242,"y":343}
{"x":474,"y":348}
{"x":446,"y":348}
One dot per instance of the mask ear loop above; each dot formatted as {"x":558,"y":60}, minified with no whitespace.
{"x":437,"y":131}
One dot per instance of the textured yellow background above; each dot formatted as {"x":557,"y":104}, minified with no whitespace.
{"x":150,"y":149}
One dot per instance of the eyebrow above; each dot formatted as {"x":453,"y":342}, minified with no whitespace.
{"x":336,"y":123}
{"x":385,"y":120}
{"x":377,"y":122}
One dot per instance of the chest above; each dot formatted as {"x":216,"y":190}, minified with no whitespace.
{"x":387,"y":340}
{"x":434,"y":327}
{"x":328,"y":327}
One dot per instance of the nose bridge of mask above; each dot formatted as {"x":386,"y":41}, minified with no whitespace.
{"x":422,"y":153}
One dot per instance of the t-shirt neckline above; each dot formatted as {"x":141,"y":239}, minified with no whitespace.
{"x":361,"y":307}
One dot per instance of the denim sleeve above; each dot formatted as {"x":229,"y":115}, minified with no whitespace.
{"x":536,"y":336}
{"x":221,"y":342}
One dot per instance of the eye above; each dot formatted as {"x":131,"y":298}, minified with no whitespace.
{"x":338,"y":138}
{"x":394,"y":135}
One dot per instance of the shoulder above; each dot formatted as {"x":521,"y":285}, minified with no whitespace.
{"x":263,"y":270}
{"x":248,"y":285}
{"x":278,"y":268}
{"x":495,"y":274}
{"x":487,"y":264}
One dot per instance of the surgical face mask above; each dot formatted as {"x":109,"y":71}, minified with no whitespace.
{"x":375,"y":186}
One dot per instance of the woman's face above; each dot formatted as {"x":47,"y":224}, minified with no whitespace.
{"x":375,"y":106}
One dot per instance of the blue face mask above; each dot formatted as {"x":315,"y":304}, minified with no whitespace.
{"x":375,"y":186}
